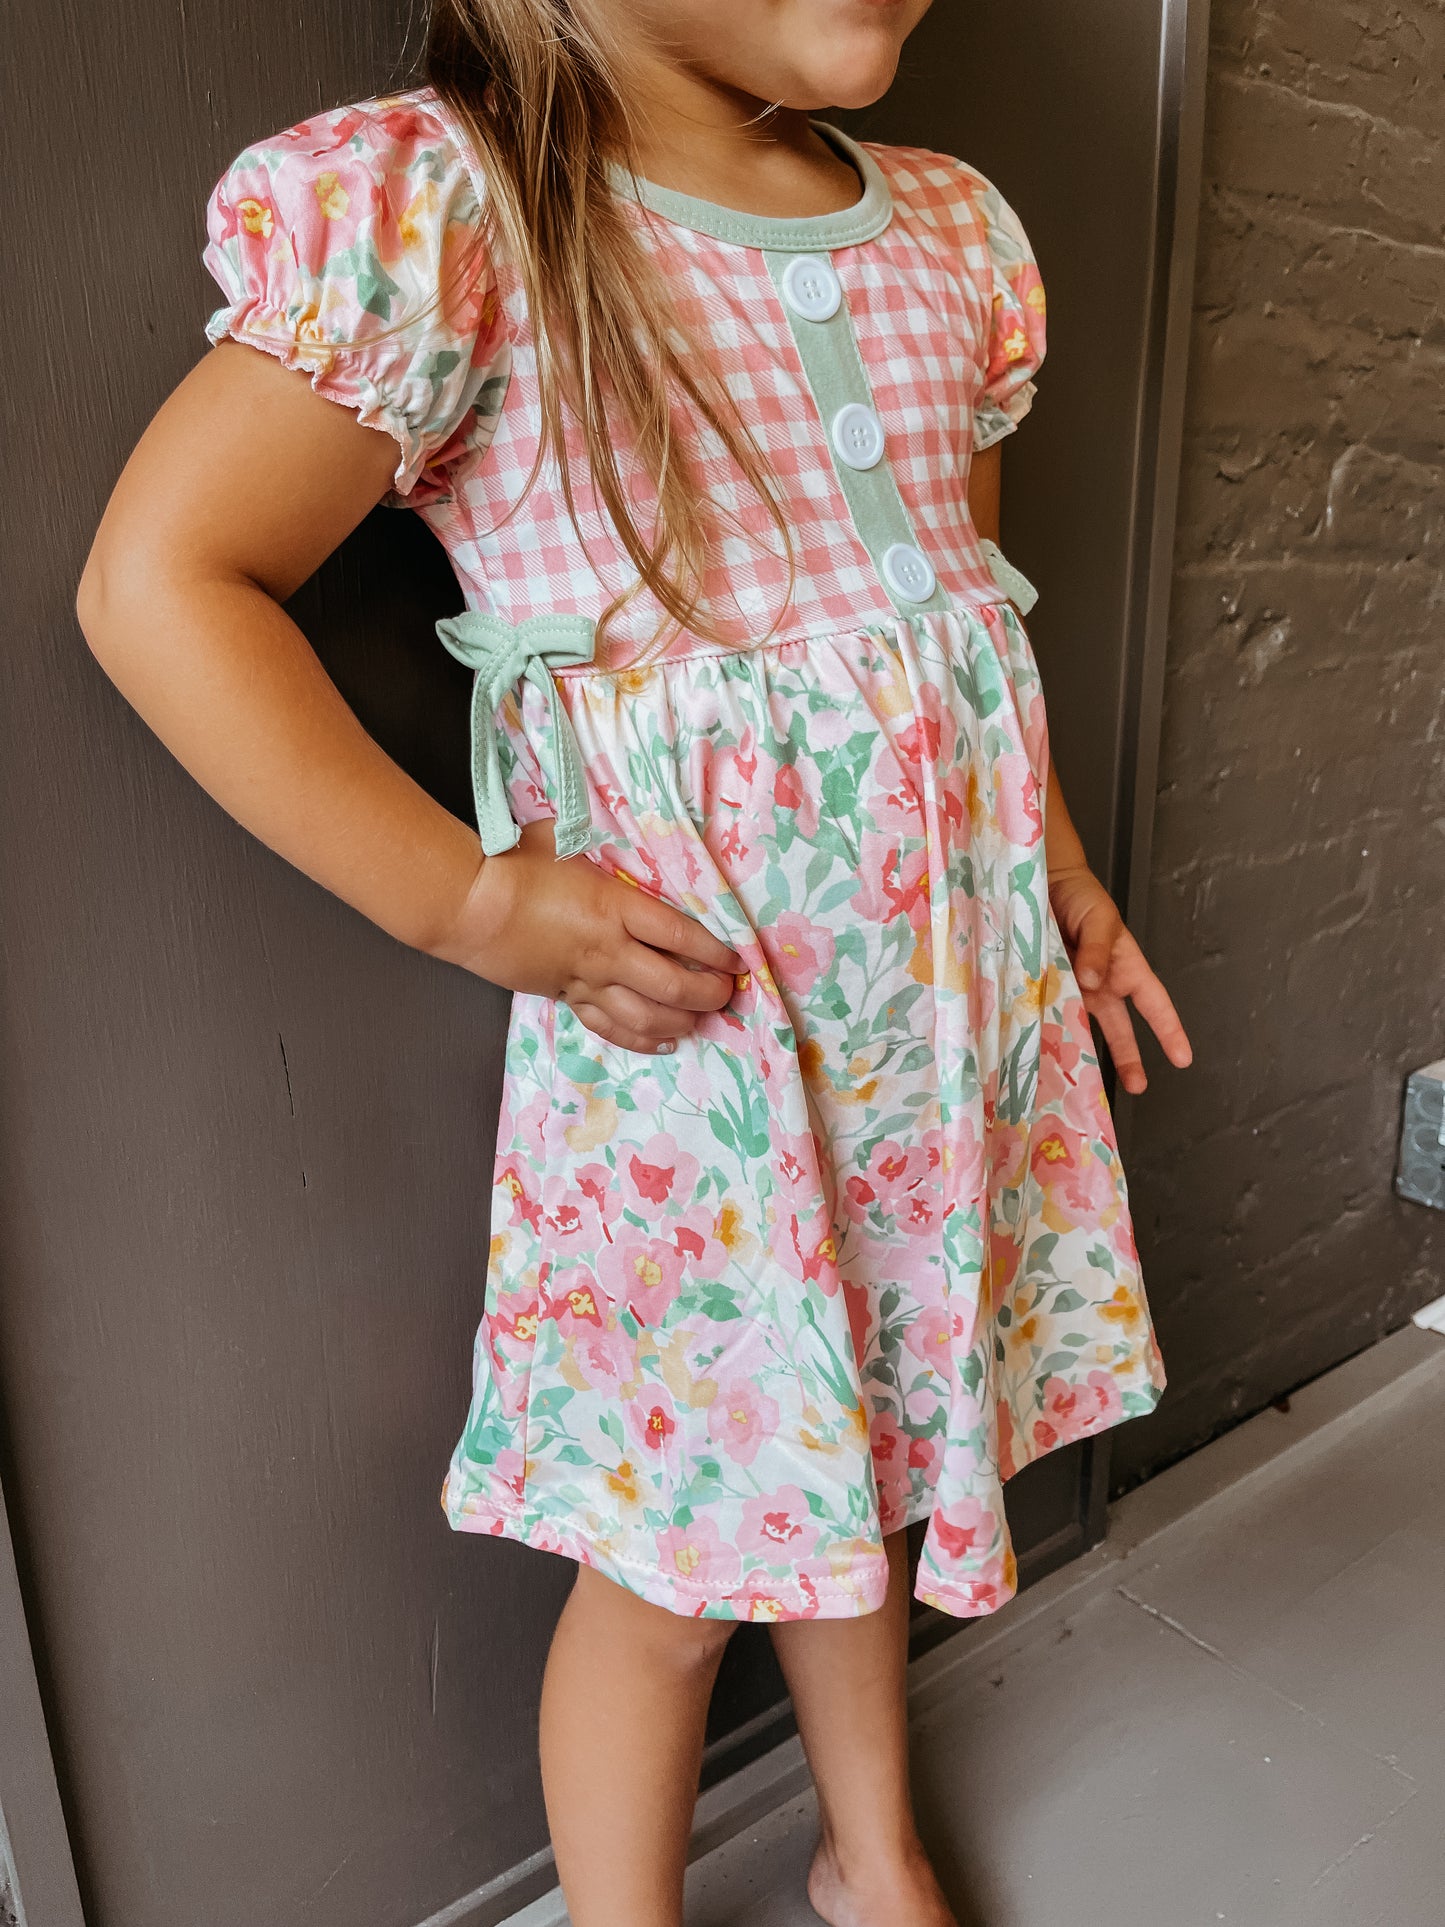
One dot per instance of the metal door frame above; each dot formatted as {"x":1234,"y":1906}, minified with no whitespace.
{"x":33,"y":1835}
{"x":1179,"y":150}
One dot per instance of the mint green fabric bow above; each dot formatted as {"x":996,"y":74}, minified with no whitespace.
{"x":1014,"y":583}
{"x":503,"y":654}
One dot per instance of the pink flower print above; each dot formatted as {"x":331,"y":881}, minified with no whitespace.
{"x":931,"y":1336}
{"x":509,"y":1470}
{"x":657,"y":1179}
{"x":859,"y":1196}
{"x":963,"y":1530}
{"x":699,"y":1556}
{"x":790,"y":792}
{"x":695,"y":1235}
{"x":605,"y":1358}
{"x":527,"y":1126}
{"x":1072,"y":1411}
{"x":991,"y":1586}
{"x":512,"y":1183}
{"x":1016,"y":800}
{"x":741,"y":1419}
{"x":798,"y":951}
{"x":927,"y":744}
{"x":1007,"y":1464}
{"x":904,"y":1186}
{"x":795,"y":1160}
{"x":652,"y":1418}
{"x":892,"y":882}
{"x":923,"y":1454}
{"x":1067,"y":1169}
{"x":779,"y":1525}
{"x":576,"y":1301}
{"x":644,"y":1274}
{"x":811,"y":1250}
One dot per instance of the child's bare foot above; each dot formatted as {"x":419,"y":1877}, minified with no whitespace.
{"x":894,"y":1893}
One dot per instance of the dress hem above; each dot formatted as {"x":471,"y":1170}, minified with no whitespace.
{"x":764,"y":1599}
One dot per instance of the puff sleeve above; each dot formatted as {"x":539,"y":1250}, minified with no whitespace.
{"x":1016,"y":327}
{"x":350,"y":247}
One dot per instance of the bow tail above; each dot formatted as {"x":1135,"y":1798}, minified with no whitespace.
{"x":495,"y":823}
{"x":573,"y":829}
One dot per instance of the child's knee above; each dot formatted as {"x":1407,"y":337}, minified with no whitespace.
{"x":671,"y":1639}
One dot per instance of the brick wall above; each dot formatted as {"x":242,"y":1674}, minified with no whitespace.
{"x":1298,"y":902}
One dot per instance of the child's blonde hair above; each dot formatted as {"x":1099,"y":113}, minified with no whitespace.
{"x":535,"y":85}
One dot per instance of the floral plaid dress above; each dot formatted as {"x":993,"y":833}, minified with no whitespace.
{"x":860,"y":1248}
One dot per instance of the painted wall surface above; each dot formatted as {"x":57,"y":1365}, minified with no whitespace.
{"x":1298,"y":906}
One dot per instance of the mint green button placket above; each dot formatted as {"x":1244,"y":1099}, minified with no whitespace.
{"x":504,"y":654}
{"x":838,"y":382}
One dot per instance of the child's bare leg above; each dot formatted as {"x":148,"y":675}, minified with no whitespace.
{"x":624,"y":1704}
{"x":848,"y":1682}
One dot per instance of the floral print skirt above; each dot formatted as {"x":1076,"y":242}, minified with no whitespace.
{"x":860,"y":1248}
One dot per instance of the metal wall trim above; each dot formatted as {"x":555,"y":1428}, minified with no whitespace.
{"x":31,"y":1817}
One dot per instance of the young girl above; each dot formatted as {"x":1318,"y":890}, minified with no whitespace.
{"x":808,"y":1221}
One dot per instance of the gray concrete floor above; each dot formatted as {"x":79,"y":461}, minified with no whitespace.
{"x":1237,"y":1713}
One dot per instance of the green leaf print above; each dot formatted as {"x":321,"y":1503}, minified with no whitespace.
{"x":837,"y":893}
{"x":1066,"y":1300}
{"x":549,"y":1403}
{"x":971,"y":1373}
{"x":578,"y":1069}
{"x":609,"y":1423}
{"x":374,"y":286}
{"x":1103,"y":1258}
{"x":491,"y":395}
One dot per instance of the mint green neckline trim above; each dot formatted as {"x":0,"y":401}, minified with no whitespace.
{"x":791,"y":233}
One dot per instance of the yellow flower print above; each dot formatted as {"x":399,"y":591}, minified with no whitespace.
{"x":1015,"y":345}
{"x":331,"y":197}
{"x":1035,"y":299}
{"x":687,"y":1559}
{"x":622,"y":1484}
{"x":257,"y":217}
{"x":599,"y":1122}
{"x":810,"y":1060}
{"x":1123,"y":1309}
{"x":728,"y":1226}
{"x":411,"y":225}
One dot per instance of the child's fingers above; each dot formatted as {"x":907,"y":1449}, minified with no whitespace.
{"x":603,"y":1020}
{"x":1156,"y":1007}
{"x":664,"y":980}
{"x":1111,"y":1014}
{"x":664,"y":928}
{"x":1094,"y":946}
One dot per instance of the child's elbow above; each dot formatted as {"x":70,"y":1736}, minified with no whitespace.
{"x":105,"y":591}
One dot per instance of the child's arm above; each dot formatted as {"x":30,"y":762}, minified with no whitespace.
{"x":1108,"y":963}
{"x":242,"y":485}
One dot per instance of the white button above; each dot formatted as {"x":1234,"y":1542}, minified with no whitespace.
{"x":858,"y":436}
{"x":811,"y":288}
{"x":908,"y":572}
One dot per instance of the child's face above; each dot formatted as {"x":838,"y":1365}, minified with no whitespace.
{"x":803,"y":54}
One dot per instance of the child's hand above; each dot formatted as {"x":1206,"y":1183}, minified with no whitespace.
{"x":634,"y":970}
{"x":1110,"y":967}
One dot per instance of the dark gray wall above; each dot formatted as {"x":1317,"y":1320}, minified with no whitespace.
{"x":244,"y":1139}
{"x":1299,"y":884}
